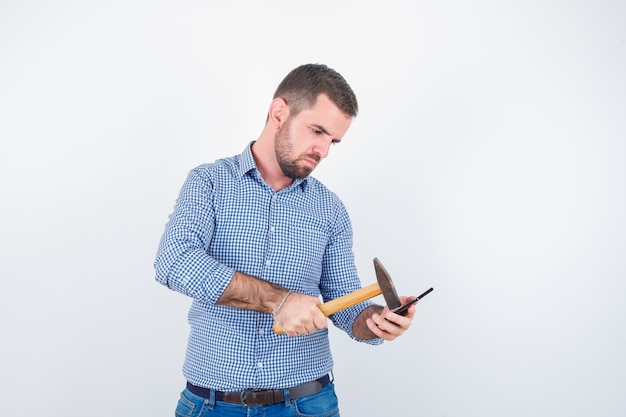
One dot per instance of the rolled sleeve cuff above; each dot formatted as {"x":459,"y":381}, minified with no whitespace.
{"x":201,"y":277}
{"x":348,"y":317}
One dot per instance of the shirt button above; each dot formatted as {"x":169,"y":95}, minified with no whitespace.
{"x":259,"y":364}
{"x":267,"y":263}
{"x":261,"y":331}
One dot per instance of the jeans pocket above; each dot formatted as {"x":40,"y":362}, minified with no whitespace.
{"x":190,"y":405}
{"x":322,"y":404}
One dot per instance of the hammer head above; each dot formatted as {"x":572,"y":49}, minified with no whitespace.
{"x":386,"y":285}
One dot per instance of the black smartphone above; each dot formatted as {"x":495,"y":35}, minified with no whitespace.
{"x":403,"y":308}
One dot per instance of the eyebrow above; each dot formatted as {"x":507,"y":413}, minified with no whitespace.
{"x":321,"y":128}
{"x":326,"y":132}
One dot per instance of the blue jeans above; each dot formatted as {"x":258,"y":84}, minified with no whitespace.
{"x":322,"y":404}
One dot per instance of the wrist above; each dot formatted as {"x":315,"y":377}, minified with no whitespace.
{"x":281,"y":303}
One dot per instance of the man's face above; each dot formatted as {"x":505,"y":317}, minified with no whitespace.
{"x":304,"y":139}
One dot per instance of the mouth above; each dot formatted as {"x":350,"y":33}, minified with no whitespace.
{"x":312,"y":160}
{"x":310,"y":163}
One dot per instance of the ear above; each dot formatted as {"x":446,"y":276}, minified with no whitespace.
{"x":278,"y":113}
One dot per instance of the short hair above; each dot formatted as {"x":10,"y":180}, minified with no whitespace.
{"x":301,"y":87}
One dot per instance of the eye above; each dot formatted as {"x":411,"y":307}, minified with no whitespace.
{"x":318,"y":130}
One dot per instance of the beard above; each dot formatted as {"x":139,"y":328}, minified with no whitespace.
{"x":283,"y":145}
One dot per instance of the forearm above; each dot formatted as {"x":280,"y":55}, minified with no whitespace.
{"x":360,"y":329}
{"x":245,"y":291}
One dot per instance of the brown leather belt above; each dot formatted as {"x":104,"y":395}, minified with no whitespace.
{"x":262,"y":397}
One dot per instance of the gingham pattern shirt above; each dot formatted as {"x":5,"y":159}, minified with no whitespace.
{"x":228,"y":219}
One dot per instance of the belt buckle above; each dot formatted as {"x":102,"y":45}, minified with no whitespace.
{"x":245,"y":392}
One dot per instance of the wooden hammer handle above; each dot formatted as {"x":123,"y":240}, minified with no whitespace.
{"x":344,"y":302}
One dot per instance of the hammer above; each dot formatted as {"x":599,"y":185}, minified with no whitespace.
{"x":384,"y":286}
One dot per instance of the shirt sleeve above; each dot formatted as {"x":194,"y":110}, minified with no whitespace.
{"x":340,"y":277}
{"x":182,"y":262}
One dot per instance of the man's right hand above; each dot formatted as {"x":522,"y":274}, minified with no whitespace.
{"x":299,"y":315}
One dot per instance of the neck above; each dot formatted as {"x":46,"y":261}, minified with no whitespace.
{"x":265,"y":158}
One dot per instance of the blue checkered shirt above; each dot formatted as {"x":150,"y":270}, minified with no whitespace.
{"x":228,"y":219}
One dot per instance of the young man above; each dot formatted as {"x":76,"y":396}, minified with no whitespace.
{"x":254,"y":239}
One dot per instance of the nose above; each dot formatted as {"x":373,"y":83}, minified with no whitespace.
{"x":322,"y":147}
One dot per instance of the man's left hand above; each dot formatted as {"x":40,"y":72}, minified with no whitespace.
{"x":388,"y":325}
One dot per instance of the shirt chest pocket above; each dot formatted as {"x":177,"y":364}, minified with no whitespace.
{"x":303,"y":246}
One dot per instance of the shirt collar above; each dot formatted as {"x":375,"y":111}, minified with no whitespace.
{"x":247,"y":164}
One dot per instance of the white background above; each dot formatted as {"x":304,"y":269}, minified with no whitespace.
{"x":487,"y":161}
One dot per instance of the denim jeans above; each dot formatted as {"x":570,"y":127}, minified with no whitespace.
{"x":322,"y":404}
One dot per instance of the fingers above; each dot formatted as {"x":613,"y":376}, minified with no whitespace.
{"x":302,"y":328}
{"x":388,"y":325}
{"x":300,"y":315}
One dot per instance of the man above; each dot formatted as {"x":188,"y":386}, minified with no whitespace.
{"x":254,"y":239}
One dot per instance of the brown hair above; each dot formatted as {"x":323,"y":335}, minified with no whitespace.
{"x":301,"y":87}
